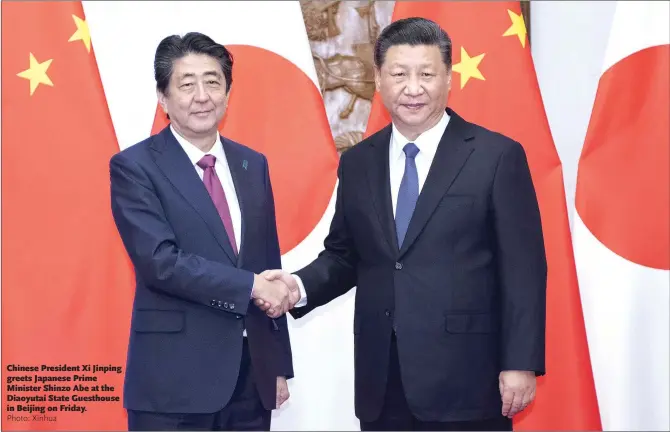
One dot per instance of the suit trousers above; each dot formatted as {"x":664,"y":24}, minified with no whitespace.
{"x":396,"y":414}
{"x":244,"y":412}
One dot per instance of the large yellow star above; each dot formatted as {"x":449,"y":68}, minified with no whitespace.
{"x":36,"y":73}
{"x":518,"y":27}
{"x":468,"y":67}
{"x":82,"y":32}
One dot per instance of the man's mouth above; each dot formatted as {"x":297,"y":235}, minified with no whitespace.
{"x":414,"y":106}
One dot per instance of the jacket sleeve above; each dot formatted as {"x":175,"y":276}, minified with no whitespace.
{"x":333,"y":272}
{"x":522,"y":264}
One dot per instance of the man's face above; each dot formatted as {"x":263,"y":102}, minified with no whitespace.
{"x":196,"y":97}
{"x":414,"y":84}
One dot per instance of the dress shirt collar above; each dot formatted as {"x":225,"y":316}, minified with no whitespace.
{"x":194,"y":153}
{"x":427,"y":142}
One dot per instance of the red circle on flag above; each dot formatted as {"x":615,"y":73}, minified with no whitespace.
{"x":623,"y":185}
{"x":275,"y":108}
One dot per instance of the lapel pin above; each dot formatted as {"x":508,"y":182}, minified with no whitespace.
{"x":245,"y":164}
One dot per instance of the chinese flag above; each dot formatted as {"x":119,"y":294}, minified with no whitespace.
{"x":494,"y":85}
{"x":66,"y":282}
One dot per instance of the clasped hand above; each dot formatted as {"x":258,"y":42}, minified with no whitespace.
{"x":275,"y":292}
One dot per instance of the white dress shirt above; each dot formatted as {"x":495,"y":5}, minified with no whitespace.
{"x":427,"y":143}
{"x":223,"y":172}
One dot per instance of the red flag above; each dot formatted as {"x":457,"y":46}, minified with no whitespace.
{"x":494,"y":85}
{"x":66,"y":281}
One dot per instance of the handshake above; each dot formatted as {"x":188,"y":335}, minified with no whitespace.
{"x":275,"y":292}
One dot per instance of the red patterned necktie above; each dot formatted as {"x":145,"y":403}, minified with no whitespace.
{"x":215,"y":189}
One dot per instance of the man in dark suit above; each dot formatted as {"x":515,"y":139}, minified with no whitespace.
{"x":196,"y":214}
{"x":437,"y":225}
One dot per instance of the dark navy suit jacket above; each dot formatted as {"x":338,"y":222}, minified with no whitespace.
{"x":192,"y":299}
{"x":464,"y":294}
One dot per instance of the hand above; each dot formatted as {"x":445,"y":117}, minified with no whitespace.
{"x":517,"y":390}
{"x":273,"y":293}
{"x":288,"y":280}
{"x":282,"y":391}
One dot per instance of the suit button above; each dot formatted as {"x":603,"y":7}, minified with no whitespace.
{"x":387,"y":313}
{"x":398,"y":266}
{"x":232,"y":306}
{"x":238,"y":316}
{"x":220,"y":302}
{"x":225,"y":305}
{"x":212,"y":303}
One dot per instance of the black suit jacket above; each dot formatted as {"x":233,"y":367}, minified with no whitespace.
{"x":465,"y":294}
{"x":192,"y":298}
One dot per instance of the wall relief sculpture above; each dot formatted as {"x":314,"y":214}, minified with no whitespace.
{"x":342,"y":36}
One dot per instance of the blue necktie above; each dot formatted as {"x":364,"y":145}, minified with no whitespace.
{"x":408,"y":193}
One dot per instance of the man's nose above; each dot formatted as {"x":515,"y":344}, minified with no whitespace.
{"x":201,"y":94}
{"x":414,"y":87}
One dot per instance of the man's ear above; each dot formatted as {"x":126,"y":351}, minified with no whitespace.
{"x":378,"y":78}
{"x":162,"y":100}
{"x":227,"y":99}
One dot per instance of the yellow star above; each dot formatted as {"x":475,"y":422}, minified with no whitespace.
{"x":37,"y":73}
{"x":468,"y":67}
{"x":518,"y":27}
{"x":82,"y":32}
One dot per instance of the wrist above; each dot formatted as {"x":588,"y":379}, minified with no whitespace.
{"x":255,"y":284}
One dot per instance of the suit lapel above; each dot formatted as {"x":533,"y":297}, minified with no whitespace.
{"x":238,"y":170}
{"x":176,"y":166}
{"x":452,"y":152}
{"x":380,"y":186}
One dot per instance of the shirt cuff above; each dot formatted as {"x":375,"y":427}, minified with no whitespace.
{"x":303,"y":294}
{"x":253,"y":283}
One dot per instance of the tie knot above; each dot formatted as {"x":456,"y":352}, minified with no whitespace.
{"x":411,"y":150}
{"x":207,"y":161}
